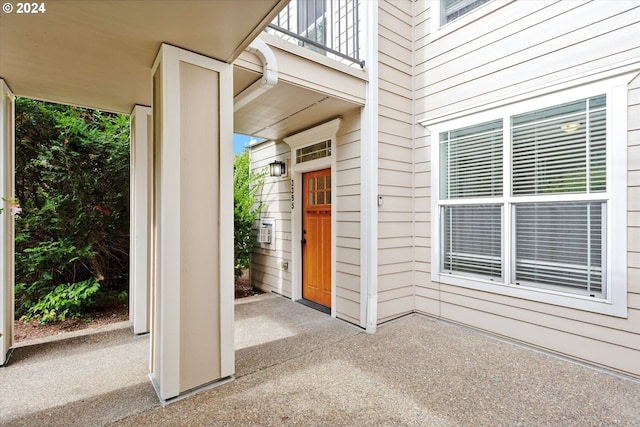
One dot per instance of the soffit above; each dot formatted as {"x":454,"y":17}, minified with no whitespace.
{"x":311,"y":89}
{"x":287,"y":109}
{"x":99,"y":53}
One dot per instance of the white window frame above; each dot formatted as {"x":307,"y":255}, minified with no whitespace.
{"x":614,"y":301}
{"x":438,"y":30}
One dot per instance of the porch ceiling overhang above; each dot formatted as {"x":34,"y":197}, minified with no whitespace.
{"x":311,"y":89}
{"x":99,"y":54}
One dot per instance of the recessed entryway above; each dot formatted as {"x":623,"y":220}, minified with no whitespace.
{"x":316,"y":237}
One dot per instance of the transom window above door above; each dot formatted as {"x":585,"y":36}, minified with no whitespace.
{"x":314,"y":151}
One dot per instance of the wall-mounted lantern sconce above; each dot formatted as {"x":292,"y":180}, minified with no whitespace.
{"x":277,"y":169}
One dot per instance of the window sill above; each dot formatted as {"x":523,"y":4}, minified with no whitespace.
{"x":596,"y":305}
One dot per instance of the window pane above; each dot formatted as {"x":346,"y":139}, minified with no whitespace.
{"x":453,"y":9}
{"x":472,"y":239}
{"x":312,"y":152}
{"x":560,"y":245}
{"x":471,"y":161}
{"x":555,"y":149}
{"x":597,"y":144}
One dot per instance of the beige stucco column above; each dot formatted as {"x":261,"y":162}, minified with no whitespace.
{"x":140,"y":218}
{"x":7,"y":160}
{"x":192,"y":277}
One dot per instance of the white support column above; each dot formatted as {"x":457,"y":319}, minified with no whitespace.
{"x":7,"y":161}
{"x":192,"y":277}
{"x":140,"y":218}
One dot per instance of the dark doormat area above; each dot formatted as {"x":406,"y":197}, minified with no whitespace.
{"x":315,"y":305}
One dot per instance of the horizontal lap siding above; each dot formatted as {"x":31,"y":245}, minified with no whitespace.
{"x":267,"y":273}
{"x":347,"y":286}
{"x":427,"y":294}
{"x":633,"y":205}
{"x":395,"y":160}
{"x":521,"y":46}
{"x":497,"y":56}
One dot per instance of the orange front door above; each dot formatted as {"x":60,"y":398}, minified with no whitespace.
{"x":316,"y":237}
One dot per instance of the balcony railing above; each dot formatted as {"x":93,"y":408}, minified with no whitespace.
{"x":329,"y":27}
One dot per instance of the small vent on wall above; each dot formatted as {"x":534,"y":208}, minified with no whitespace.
{"x":264,"y":234}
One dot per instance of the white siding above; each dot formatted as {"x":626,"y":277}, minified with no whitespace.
{"x":427,"y":298}
{"x":347,"y":286}
{"x":633,"y":201}
{"x":267,"y":272}
{"x":395,"y":160}
{"x":519,"y":47}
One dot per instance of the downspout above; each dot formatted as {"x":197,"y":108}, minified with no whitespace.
{"x":369,"y":176}
{"x":269,"y":75}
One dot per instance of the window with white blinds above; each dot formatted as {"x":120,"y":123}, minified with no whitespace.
{"x":471,"y":161}
{"x":561,"y":149}
{"x":550,"y":230}
{"x":561,"y":245}
{"x":453,"y":9}
{"x":472,"y":239}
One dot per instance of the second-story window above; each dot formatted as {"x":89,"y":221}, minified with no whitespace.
{"x":454,"y":9}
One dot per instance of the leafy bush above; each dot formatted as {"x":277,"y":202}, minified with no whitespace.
{"x":67,"y":300}
{"x":72,"y":180}
{"x":246,"y":184}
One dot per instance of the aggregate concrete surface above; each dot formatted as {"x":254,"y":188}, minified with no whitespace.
{"x":296,"y":366}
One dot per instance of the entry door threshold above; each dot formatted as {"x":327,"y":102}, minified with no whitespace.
{"x":315,"y":305}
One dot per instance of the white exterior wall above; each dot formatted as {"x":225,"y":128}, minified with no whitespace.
{"x":267,"y":272}
{"x":494,"y":58}
{"x":424,"y":76}
{"x":347,"y":286}
{"x":395,"y":160}
{"x":633,"y":203}
{"x":520,"y":46}
{"x":427,"y":293}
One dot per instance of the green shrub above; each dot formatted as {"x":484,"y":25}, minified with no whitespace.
{"x":67,"y":300}
{"x":72,"y":180}
{"x":246,"y":209}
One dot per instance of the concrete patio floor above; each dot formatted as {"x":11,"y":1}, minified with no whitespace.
{"x":296,"y":366}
